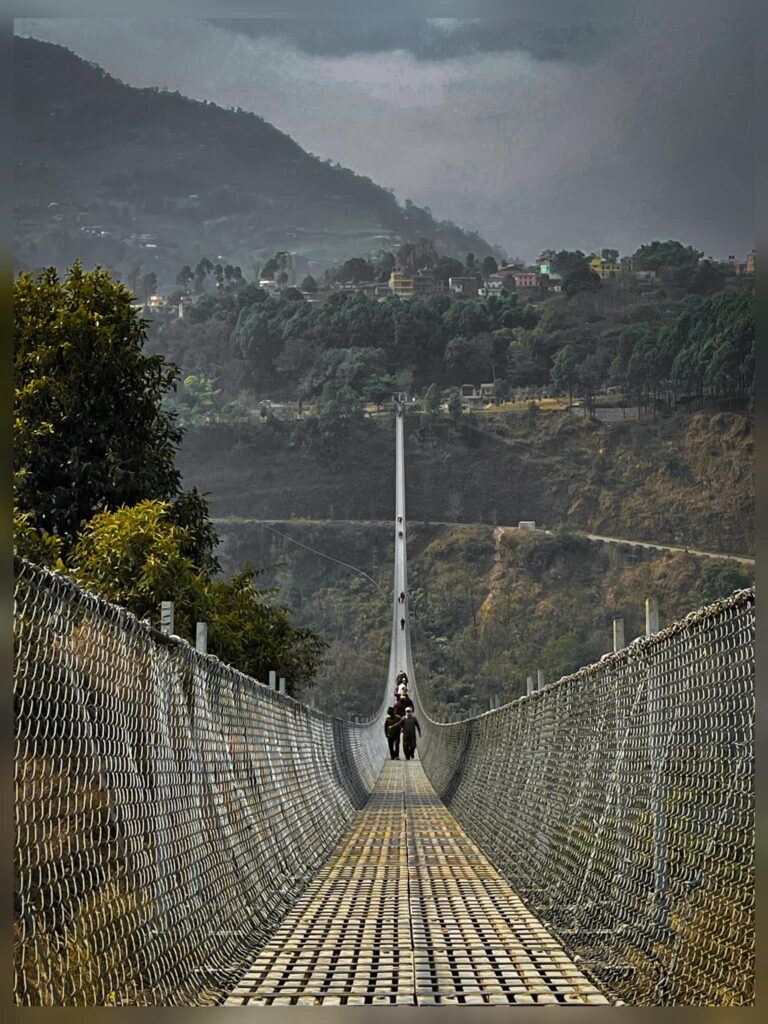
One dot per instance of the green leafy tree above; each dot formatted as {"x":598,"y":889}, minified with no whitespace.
{"x":609,"y":255}
{"x":354,"y":270}
{"x":446,"y":267}
{"x":35,"y":545}
{"x":378,"y":388}
{"x":563,"y":374}
{"x":432,"y":400}
{"x":383,"y":264}
{"x":89,"y":429}
{"x":488,"y":266}
{"x":581,"y":279}
{"x":309,"y":285}
{"x":660,"y":256}
{"x":454,"y":405}
{"x":139,"y":556}
{"x":185,"y":276}
{"x":134,"y":557}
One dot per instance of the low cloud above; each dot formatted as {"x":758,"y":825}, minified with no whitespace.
{"x":647,"y":133}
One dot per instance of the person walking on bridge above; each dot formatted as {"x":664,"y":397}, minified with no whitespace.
{"x":392,"y":732}
{"x":410,"y":726}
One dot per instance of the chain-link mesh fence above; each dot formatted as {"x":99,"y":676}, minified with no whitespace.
{"x":619,"y":803}
{"x":169,"y":809}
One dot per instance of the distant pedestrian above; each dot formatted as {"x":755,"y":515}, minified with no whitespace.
{"x":401,"y":599}
{"x":402,"y":623}
{"x":392,"y":732}
{"x":401,"y":679}
{"x":410,"y":726}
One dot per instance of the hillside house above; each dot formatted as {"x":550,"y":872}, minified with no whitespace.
{"x":526,"y":279}
{"x":473,"y":397}
{"x":464,"y":287}
{"x":605,"y":269}
{"x":401,"y":284}
{"x":425,"y":285}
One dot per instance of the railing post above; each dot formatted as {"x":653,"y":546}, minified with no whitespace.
{"x":272,"y":679}
{"x":529,"y":686}
{"x":201,"y":637}
{"x":618,"y":633}
{"x":651,"y":615}
{"x":539,"y":678}
{"x":166,"y":617}
{"x":282,"y":684}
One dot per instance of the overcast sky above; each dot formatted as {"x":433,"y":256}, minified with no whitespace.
{"x":570,"y":128}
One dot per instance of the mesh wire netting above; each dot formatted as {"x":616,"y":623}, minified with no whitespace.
{"x":619,"y":803}
{"x":169,"y":810}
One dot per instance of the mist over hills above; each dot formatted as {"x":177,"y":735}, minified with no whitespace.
{"x":122,"y":176}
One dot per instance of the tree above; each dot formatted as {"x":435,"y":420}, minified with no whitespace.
{"x":488,"y":266}
{"x":355,"y":270}
{"x":383,"y":264}
{"x":378,"y":388}
{"x":581,"y":279}
{"x":414,"y":256}
{"x":185,"y":276}
{"x":89,"y":429}
{"x":139,"y":556}
{"x":469,"y":262}
{"x":446,"y":267}
{"x":454,"y":405}
{"x":309,"y":285}
{"x":148,"y":285}
{"x":502,"y":391}
{"x":660,"y":256}
{"x":564,"y":371}
{"x":609,"y":255}
{"x":432,"y":400}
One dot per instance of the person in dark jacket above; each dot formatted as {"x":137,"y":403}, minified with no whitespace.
{"x":392,"y":732}
{"x":410,"y":726}
{"x":405,"y":700}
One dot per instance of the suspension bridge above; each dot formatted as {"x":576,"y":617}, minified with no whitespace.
{"x":187,"y":836}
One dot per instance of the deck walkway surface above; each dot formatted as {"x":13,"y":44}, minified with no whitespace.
{"x":409,"y":911}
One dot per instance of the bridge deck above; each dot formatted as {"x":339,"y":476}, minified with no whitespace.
{"x":410,"y":911}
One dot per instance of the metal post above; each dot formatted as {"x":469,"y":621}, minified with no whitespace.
{"x":272,"y":679}
{"x":618,"y":633}
{"x":201,"y":637}
{"x":166,"y":617}
{"x":539,"y":678}
{"x":651,"y":615}
{"x":529,"y":685}
{"x":282,"y":684}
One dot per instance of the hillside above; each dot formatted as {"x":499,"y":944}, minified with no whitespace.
{"x":683,"y":480}
{"x":99,"y":163}
{"x":490,"y":605}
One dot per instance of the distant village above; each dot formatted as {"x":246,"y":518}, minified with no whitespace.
{"x":534,"y":282}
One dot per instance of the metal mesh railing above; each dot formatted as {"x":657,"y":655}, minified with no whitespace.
{"x":619,"y":803}
{"x":169,"y":809}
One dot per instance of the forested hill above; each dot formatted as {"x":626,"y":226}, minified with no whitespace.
{"x":99,"y":163}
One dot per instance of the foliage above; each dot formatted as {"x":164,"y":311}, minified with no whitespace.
{"x":35,"y":545}
{"x":432,"y":400}
{"x":454,"y":405}
{"x":89,"y":428}
{"x":138,"y":557}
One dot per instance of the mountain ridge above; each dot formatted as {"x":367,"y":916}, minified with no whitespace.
{"x":100,"y":163}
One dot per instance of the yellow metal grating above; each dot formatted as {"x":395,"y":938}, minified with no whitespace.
{"x":409,"y":911}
